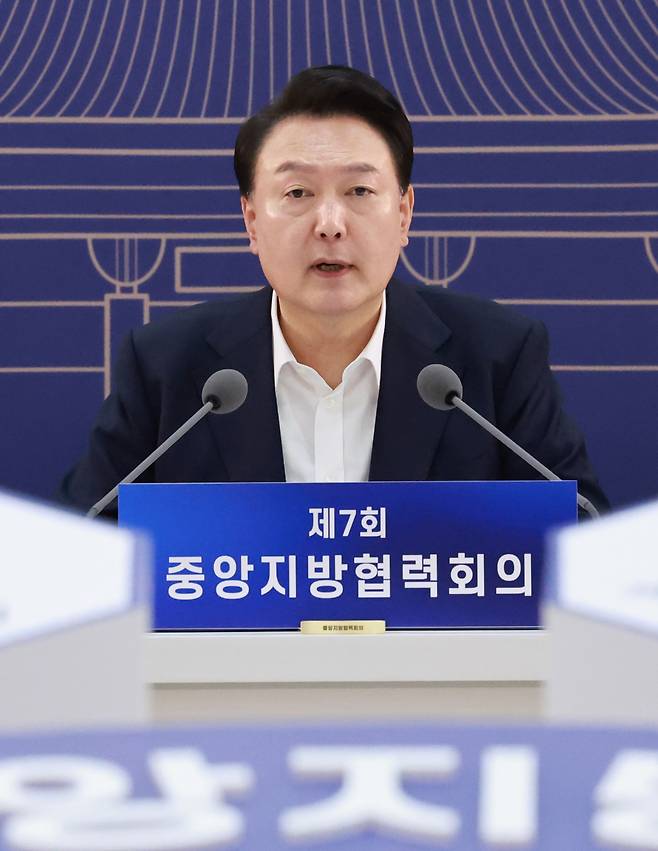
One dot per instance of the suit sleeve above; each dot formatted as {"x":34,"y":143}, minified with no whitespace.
{"x":124,"y":433}
{"x":531,"y":412}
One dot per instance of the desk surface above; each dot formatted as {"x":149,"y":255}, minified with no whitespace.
{"x":446,"y":656}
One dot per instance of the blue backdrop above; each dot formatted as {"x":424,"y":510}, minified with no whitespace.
{"x":536,"y":125}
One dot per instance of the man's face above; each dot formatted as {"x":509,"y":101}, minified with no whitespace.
{"x":326,"y":216}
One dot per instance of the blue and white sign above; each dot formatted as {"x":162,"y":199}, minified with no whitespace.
{"x":368,"y":788}
{"x":415,"y":554}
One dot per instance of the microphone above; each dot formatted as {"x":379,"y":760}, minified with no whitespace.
{"x":223,"y":393}
{"x":440,"y":388}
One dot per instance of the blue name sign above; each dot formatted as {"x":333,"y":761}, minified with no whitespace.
{"x":415,"y":554}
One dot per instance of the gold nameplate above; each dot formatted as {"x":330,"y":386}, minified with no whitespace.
{"x":342,"y":627}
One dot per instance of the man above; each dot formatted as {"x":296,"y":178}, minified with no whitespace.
{"x":332,"y":351}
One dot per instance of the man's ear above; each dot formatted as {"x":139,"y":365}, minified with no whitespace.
{"x":249,"y":216}
{"x":406,"y":212}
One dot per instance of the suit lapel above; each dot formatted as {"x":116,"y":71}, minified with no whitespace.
{"x":407,"y":431}
{"x":248,"y":440}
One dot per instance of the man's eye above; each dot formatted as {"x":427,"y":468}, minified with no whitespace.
{"x":295,"y":193}
{"x":361,"y":191}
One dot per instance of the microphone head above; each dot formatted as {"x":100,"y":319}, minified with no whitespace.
{"x":437,"y":385}
{"x":226,"y":389}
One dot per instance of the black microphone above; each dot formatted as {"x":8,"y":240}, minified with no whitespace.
{"x":440,"y":388}
{"x":223,"y":393}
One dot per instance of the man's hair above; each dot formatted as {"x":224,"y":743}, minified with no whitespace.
{"x":323,"y":92}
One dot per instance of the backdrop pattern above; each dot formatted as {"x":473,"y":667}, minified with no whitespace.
{"x":536,"y":171}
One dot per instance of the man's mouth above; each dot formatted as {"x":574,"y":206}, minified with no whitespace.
{"x":331,"y":267}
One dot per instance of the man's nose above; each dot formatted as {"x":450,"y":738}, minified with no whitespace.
{"x":330,"y":222}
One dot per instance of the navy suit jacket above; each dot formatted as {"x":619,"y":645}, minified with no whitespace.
{"x":500,"y":356}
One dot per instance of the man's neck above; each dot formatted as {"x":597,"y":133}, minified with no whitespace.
{"x":328,"y":344}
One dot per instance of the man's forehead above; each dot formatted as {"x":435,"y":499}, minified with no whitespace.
{"x":341,"y":143}
{"x":350,"y":167}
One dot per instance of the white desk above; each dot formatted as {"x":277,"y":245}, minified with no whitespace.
{"x":206,"y":676}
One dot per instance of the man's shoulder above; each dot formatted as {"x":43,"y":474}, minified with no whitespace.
{"x":463,"y":307}
{"x":480,"y":318}
{"x":198,"y":321}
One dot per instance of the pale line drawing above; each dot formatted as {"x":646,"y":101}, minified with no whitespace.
{"x":521,"y":234}
{"x":74,"y":52}
{"x":513,"y":119}
{"x":18,"y":40}
{"x":165,"y":187}
{"x":556,"y":64}
{"x":448,"y":56}
{"x":252,"y":54}
{"x":366,"y":40}
{"x":190,"y":63}
{"x":307,"y":21}
{"x":531,"y":149}
{"x":82,"y":235}
{"x":442,"y":185}
{"x":637,"y":32}
{"x":174,"y":49}
{"x":92,"y":56}
{"x":41,"y":369}
{"x":473,"y":65}
{"x":47,"y":64}
{"x":489,"y":56}
{"x":128,"y":216}
{"x":430,"y":62}
{"x":181,"y":250}
{"x":599,"y":64}
{"x":289,"y":36}
{"x":462,"y":214}
{"x":579,"y":67}
{"x":131,"y":61}
{"x":536,"y":65}
{"x":154,"y":48}
{"x":110,"y":63}
{"x":649,"y":250}
{"x":8,"y":23}
{"x":604,"y":368}
{"x":123,"y":152}
{"x":491,"y":214}
{"x":412,"y":70}
{"x":512,"y":61}
{"x":348,"y":49}
{"x":648,"y":19}
{"x":236,"y":120}
{"x":387,"y":52}
{"x":446,"y":279}
{"x":114,"y":280}
{"x":582,"y":302}
{"x":229,"y":84}
{"x":211,"y":61}
{"x":28,"y":61}
{"x":612,"y":54}
{"x":271,"y":34}
{"x":5,"y":304}
{"x":325,"y":14}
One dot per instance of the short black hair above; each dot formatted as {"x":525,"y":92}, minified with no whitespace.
{"x":325,"y":91}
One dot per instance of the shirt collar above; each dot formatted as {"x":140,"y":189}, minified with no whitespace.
{"x":282,"y":354}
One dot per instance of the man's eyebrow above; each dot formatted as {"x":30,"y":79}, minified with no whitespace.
{"x":292,"y":165}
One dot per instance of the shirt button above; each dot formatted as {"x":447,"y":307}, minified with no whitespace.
{"x":331,"y":402}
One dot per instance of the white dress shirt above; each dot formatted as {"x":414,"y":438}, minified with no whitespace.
{"x":326,"y":434}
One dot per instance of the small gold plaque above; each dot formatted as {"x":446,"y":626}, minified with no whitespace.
{"x":342,"y":627}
